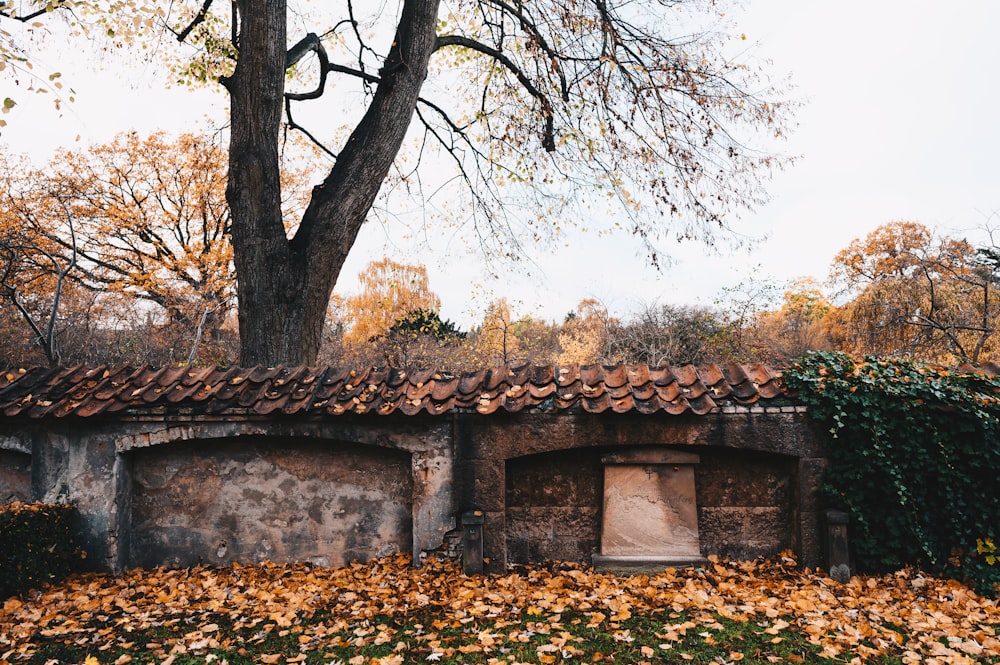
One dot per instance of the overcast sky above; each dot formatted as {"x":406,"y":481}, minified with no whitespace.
{"x":899,"y":122}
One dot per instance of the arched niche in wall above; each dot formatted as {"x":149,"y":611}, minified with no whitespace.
{"x":268,"y":498}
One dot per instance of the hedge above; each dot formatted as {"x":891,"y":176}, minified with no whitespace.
{"x":36,"y":546}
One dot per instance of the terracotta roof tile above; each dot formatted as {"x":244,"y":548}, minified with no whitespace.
{"x":638,"y":375}
{"x":598,"y":404}
{"x":623,"y":404}
{"x":95,"y":391}
{"x":670,"y":392}
{"x":615,"y":377}
{"x":643,"y":392}
{"x":567,"y":375}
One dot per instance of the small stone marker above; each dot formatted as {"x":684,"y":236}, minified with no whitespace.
{"x":472,"y":542}
{"x":650,"y":517}
{"x":838,"y":551}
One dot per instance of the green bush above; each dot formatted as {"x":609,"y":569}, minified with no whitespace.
{"x":914,"y":456}
{"x":36,"y":546}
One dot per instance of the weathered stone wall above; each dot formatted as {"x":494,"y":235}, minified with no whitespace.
{"x":178,"y":490}
{"x":553,"y":508}
{"x":15,"y":476}
{"x":780,"y":448}
{"x":261,"y":499}
{"x":745,"y":504}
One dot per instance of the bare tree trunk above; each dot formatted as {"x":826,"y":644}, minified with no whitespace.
{"x":284,"y":286}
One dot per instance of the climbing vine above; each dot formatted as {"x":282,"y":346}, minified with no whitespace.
{"x":914,"y":457}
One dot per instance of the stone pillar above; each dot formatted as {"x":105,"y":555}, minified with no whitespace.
{"x":650,"y":516}
{"x":433,"y":513}
{"x":809,"y":478}
{"x":85,"y":470}
{"x":481,"y":483}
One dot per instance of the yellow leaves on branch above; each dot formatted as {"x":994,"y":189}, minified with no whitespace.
{"x":901,"y":615}
{"x":389,"y":291}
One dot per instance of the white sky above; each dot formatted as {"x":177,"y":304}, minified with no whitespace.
{"x":900,"y":122}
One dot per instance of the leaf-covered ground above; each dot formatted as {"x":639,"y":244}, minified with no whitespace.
{"x":386,"y":613}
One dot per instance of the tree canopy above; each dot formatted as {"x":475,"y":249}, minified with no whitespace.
{"x":545,"y":113}
{"x":917,"y":295}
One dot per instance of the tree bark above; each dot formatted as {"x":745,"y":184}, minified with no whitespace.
{"x":284,"y":285}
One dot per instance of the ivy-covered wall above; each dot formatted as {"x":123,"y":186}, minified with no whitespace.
{"x":914,"y":458}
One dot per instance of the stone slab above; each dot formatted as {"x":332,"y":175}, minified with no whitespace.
{"x":643,"y":565}
{"x":650,"y":511}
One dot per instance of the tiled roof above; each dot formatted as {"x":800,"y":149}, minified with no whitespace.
{"x":94,"y":391}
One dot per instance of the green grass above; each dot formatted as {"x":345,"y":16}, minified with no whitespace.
{"x":659,"y":637}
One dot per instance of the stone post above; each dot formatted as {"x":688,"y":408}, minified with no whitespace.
{"x":838,"y":555}
{"x":472,"y":542}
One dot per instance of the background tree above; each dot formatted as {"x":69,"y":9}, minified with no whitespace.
{"x":389,"y":292}
{"x":801,"y":324}
{"x":915,"y":296}
{"x":421,"y":339}
{"x":33,"y":275}
{"x":563,"y":105}
{"x":585,"y":335}
{"x":673,"y":335}
{"x":135,"y":219}
{"x":153,"y":222}
{"x":496,"y":340}
{"x":742,"y":308}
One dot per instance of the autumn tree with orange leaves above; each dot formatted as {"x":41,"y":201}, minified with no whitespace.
{"x":915,"y":295}
{"x":389,"y":291}
{"x":34,"y":269}
{"x":393,"y":320}
{"x":134,"y":220}
{"x":800,"y":324}
{"x":584,"y":336}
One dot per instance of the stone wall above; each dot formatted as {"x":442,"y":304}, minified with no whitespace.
{"x":756,"y":484}
{"x":745,"y":501}
{"x":553,"y":508}
{"x":15,"y":476}
{"x":173,"y":490}
{"x":274,"y":499}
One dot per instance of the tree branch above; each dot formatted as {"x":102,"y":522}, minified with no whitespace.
{"x":309,"y":43}
{"x":45,"y":9}
{"x":548,"y":138}
{"x":198,"y":19}
{"x":296,"y":126}
{"x":528,"y":25}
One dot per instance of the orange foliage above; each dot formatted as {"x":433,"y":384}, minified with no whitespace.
{"x":389,"y":291}
{"x":903,"y":616}
{"x":915,"y":296}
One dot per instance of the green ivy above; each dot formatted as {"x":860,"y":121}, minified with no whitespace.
{"x":914,"y":457}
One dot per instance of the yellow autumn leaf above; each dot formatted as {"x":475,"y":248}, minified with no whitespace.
{"x":394,"y":659}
